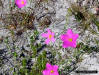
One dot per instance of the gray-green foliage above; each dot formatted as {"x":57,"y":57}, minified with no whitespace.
{"x":84,"y":17}
{"x":40,"y":59}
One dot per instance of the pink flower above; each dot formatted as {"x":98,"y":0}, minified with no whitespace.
{"x":20,"y":3}
{"x":69,"y":39}
{"x":49,"y":36}
{"x":50,"y":70}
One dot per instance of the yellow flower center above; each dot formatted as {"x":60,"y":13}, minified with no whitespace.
{"x":52,"y":71}
{"x":50,"y":36}
{"x":70,"y":39}
{"x":22,"y":2}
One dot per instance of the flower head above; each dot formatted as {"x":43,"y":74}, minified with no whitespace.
{"x":49,"y":36}
{"x":69,"y":39}
{"x":50,"y":70}
{"x":20,"y":3}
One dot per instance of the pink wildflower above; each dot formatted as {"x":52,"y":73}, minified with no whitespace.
{"x":49,"y":36}
{"x":69,"y":39}
{"x":50,"y":70}
{"x":20,"y":3}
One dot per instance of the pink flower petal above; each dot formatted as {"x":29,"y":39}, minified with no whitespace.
{"x":55,"y":73}
{"x":64,"y":37}
{"x":53,"y":40}
{"x":44,"y":35}
{"x":47,"y":41}
{"x":44,"y":72}
{"x":74,"y":45}
{"x":75,"y":36}
{"x":48,"y":66}
{"x":65,"y":45}
{"x":53,"y":34}
{"x":69,"y":33}
{"x":49,"y":31}
{"x":55,"y":67}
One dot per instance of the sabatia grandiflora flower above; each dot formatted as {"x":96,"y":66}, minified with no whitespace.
{"x":20,"y":3}
{"x":69,"y":39}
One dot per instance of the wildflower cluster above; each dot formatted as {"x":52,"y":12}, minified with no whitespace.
{"x":69,"y":38}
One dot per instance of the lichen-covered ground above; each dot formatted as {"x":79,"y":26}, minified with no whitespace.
{"x":22,"y":48}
